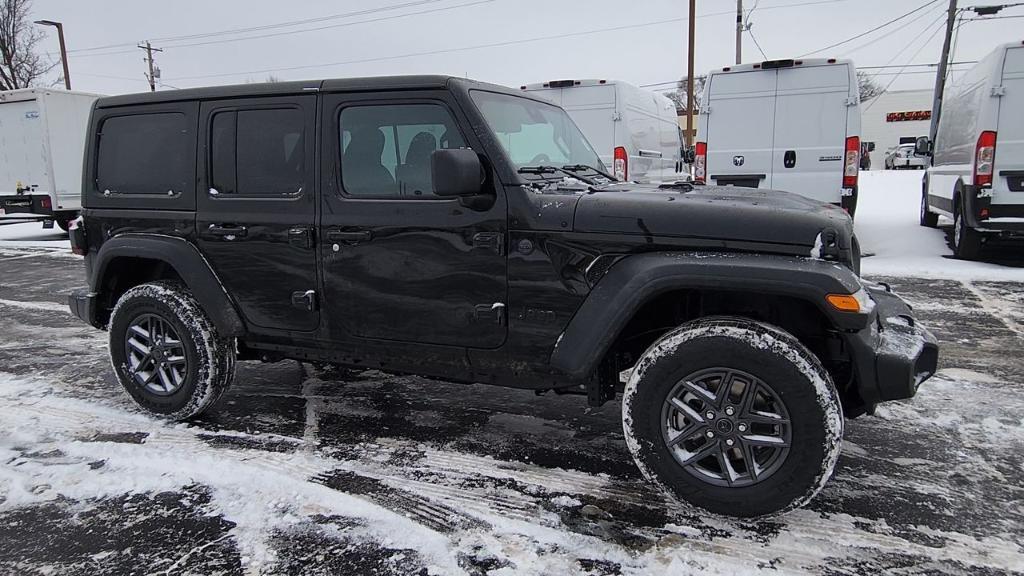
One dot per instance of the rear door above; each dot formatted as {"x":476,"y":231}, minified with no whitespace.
{"x":810,"y":131}
{"x":22,"y":157}
{"x":741,"y":128}
{"x":256,"y":206}
{"x":1008,"y":183}
{"x":592,"y":108}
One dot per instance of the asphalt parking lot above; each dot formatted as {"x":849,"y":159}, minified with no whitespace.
{"x":314,"y":470}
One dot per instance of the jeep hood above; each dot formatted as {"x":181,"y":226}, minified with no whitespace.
{"x":725,"y":213}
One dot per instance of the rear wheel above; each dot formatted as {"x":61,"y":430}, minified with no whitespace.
{"x":966,"y":240}
{"x":166,"y":353}
{"x":733,"y":416}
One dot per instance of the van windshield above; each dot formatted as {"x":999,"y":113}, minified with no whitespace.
{"x":534,"y":133}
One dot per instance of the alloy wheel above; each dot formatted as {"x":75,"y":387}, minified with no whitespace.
{"x":726,"y":427}
{"x":156,"y":356}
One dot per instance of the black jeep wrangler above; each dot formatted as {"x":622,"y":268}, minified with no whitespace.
{"x":469,"y":232}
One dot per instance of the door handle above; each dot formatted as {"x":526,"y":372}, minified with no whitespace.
{"x":650,"y":153}
{"x":226,"y":230}
{"x":300,"y":237}
{"x":789,"y":159}
{"x":346,"y":236}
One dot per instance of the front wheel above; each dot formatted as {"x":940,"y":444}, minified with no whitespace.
{"x":928,"y":219}
{"x":166,"y":353}
{"x":734,"y":416}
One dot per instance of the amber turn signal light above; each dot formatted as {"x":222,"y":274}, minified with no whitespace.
{"x":844,"y":302}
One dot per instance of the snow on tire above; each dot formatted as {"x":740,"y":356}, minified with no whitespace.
{"x":734,"y":416}
{"x":166,"y":353}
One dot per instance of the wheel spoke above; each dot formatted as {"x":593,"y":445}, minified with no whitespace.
{"x":140,"y":331}
{"x":724,"y":388}
{"x":701,"y":392}
{"x":688,"y":432}
{"x":728,"y":474}
{"x":765,"y":417}
{"x":687,"y":411}
{"x":753,"y":469}
{"x":165,"y":378}
{"x":139,"y":346}
{"x":706,"y":450}
{"x":762,"y":440}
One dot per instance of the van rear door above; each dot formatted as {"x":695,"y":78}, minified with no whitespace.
{"x":1008,"y":179}
{"x":741,"y":128}
{"x":810,"y":130}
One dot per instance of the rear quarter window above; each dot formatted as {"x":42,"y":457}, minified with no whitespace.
{"x":145,"y":154}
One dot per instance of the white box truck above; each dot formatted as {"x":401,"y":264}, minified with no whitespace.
{"x":42,"y":142}
{"x":976,"y":176}
{"x":634,"y":131}
{"x":790,"y":125}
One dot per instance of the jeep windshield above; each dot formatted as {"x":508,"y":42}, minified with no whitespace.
{"x":540,"y":139}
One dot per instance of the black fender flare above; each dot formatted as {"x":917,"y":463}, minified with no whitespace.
{"x":635,"y":279}
{"x":186,"y":260}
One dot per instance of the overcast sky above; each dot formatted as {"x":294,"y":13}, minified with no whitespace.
{"x":509,"y":42}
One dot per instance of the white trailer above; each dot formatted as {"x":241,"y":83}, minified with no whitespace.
{"x":634,"y":131}
{"x":42,"y":143}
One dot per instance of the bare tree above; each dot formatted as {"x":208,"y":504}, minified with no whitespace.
{"x":20,"y":65}
{"x":867,"y":86}
{"x":679,"y":94}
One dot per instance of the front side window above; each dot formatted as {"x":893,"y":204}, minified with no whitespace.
{"x":385,"y":150}
{"x":144,"y":154}
{"x":534,"y":133}
{"x":257,"y":152}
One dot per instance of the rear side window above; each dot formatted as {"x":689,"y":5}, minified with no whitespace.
{"x":258,"y":152}
{"x":144,"y":154}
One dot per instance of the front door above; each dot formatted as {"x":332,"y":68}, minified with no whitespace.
{"x":256,"y":206}
{"x":399,"y":262}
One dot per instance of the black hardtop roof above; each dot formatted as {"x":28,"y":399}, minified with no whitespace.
{"x":365,"y":84}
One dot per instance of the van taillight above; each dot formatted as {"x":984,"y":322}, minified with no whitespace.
{"x":621,"y":164}
{"x":984,"y":158}
{"x":852,"y":162}
{"x":700,"y":161}
{"x":44,"y":203}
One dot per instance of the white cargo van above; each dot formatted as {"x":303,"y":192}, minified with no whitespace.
{"x":42,"y":143}
{"x":790,"y":125}
{"x":635,"y":132}
{"x":976,"y":175}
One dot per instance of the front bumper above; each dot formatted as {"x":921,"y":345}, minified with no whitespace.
{"x":83,"y":305}
{"x":893,"y":355}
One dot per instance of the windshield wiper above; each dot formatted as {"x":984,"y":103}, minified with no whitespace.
{"x":544,"y":169}
{"x":582,"y":167}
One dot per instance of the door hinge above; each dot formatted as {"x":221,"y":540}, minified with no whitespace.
{"x":304,"y":300}
{"x":852,"y":101}
{"x":490,"y":240}
{"x":998,"y":91}
{"x":494,"y":313}
{"x":616,"y":116}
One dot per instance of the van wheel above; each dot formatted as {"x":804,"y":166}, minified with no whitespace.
{"x":166,"y":353}
{"x":966,"y":240}
{"x":928,"y":219}
{"x":734,"y":416}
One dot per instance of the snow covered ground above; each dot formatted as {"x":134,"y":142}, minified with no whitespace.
{"x":308,"y":470}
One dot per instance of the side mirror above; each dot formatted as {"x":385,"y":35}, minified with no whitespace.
{"x":455,"y":172}
{"x":689,"y":155}
{"x":871,"y":146}
{"x":923,"y":146}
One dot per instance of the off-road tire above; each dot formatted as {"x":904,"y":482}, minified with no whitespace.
{"x":760,"y":350}
{"x":966,"y":240}
{"x":209,"y":357}
{"x":928,"y":219}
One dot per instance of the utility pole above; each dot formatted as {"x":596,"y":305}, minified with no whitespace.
{"x":154,"y":72}
{"x":689,"y":74}
{"x":940,"y":76}
{"x":739,"y":31}
{"x":63,"y":49}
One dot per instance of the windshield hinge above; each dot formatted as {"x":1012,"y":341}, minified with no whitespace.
{"x":998,"y":91}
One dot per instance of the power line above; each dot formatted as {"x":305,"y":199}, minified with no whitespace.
{"x":874,"y":41}
{"x":333,"y":26}
{"x":912,"y":40}
{"x":901,"y":71}
{"x":167,"y":39}
{"x":752,"y":37}
{"x":876,"y":28}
